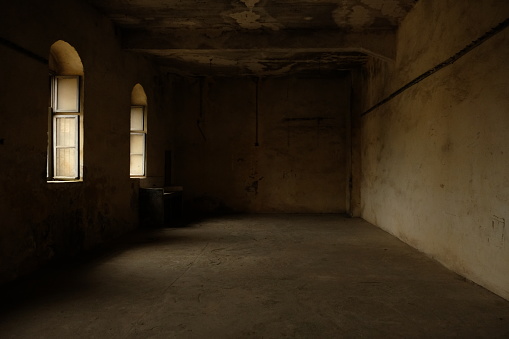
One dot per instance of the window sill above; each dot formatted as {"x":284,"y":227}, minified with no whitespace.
{"x":63,"y":181}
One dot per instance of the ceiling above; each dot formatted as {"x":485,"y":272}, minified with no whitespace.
{"x":257,"y":37}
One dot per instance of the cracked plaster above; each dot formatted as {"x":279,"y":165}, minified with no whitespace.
{"x":251,"y":20}
{"x":179,"y":31}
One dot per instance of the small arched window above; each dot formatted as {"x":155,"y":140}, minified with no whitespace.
{"x":65,"y":132}
{"x":138,"y":131}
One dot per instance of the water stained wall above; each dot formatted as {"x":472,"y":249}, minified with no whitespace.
{"x":41,"y":221}
{"x":264,"y":145}
{"x":435,"y":158}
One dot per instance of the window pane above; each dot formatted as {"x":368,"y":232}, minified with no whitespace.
{"x":67,"y":92}
{"x":65,"y":162}
{"x":65,"y":149}
{"x":137,"y":118}
{"x":138,"y":144}
{"x":137,"y":165}
{"x":65,"y":132}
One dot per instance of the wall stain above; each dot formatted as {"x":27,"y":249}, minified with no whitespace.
{"x":253,"y":188}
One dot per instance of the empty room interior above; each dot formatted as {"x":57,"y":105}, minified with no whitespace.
{"x":254,"y":168}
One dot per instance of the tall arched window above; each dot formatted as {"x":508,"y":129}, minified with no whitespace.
{"x":138,"y":131}
{"x":65,"y":132}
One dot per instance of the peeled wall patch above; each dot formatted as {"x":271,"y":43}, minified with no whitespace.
{"x":254,"y":66}
{"x":260,"y":68}
{"x":247,"y":19}
{"x":253,"y":188}
{"x":376,"y":4}
{"x":386,"y":7}
{"x":356,"y":18}
{"x":340,"y":15}
{"x":360,"y":17}
{"x":250,"y":3}
{"x":251,"y":20}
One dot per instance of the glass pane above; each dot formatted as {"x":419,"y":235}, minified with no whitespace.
{"x":138,"y":144}
{"x":137,"y":164}
{"x":66,"y":95}
{"x":137,"y":118}
{"x":65,"y":132}
{"x":65,"y":162}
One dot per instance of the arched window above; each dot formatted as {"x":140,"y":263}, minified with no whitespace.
{"x":138,"y":131}
{"x":65,"y":132}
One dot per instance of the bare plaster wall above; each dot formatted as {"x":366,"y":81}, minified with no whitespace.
{"x":435,"y":159}
{"x":39,"y":220}
{"x":293,"y":156}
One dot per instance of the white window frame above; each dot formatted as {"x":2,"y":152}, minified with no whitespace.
{"x":56,"y":147}
{"x":142,"y":132}
{"x":57,"y":113}
{"x":76,"y":108}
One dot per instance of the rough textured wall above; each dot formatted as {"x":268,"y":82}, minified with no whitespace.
{"x":436,"y":158}
{"x":301,"y":163}
{"x":41,"y":220}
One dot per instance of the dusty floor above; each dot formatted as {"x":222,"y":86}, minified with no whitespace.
{"x":264,"y":276}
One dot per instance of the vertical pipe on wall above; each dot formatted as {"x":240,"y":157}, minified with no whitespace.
{"x":354,"y":180}
{"x":257,"y":91}
{"x":200,"y":117}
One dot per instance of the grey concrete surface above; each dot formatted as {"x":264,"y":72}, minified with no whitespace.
{"x":254,"y":276}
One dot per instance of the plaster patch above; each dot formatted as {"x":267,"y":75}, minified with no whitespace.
{"x":281,"y":71}
{"x":250,"y":3}
{"x":389,"y":8}
{"x":261,"y":69}
{"x":203,"y":59}
{"x":360,"y":17}
{"x":207,"y":60}
{"x":249,"y":20}
{"x":180,"y":23}
{"x":376,"y":4}
{"x":340,"y":15}
{"x":255,"y":67}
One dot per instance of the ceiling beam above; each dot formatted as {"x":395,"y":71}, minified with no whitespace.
{"x":381,"y":44}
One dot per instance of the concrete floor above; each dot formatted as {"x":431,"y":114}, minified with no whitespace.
{"x":256,"y":276}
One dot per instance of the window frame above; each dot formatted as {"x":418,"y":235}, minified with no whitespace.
{"x":56,"y":147}
{"x":55,"y":96}
{"x":55,"y":114}
{"x":142,"y":132}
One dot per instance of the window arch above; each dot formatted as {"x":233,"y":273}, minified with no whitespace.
{"x":138,"y":131}
{"x":65,"y":126}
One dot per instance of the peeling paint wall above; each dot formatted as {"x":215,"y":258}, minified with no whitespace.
{"x":435,"y":159}
{"x":293,"y":156}
{"x":41,"y":221}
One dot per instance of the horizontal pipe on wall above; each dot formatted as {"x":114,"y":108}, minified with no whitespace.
{"x":474,"y":44}
{"x":23,"y":51}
